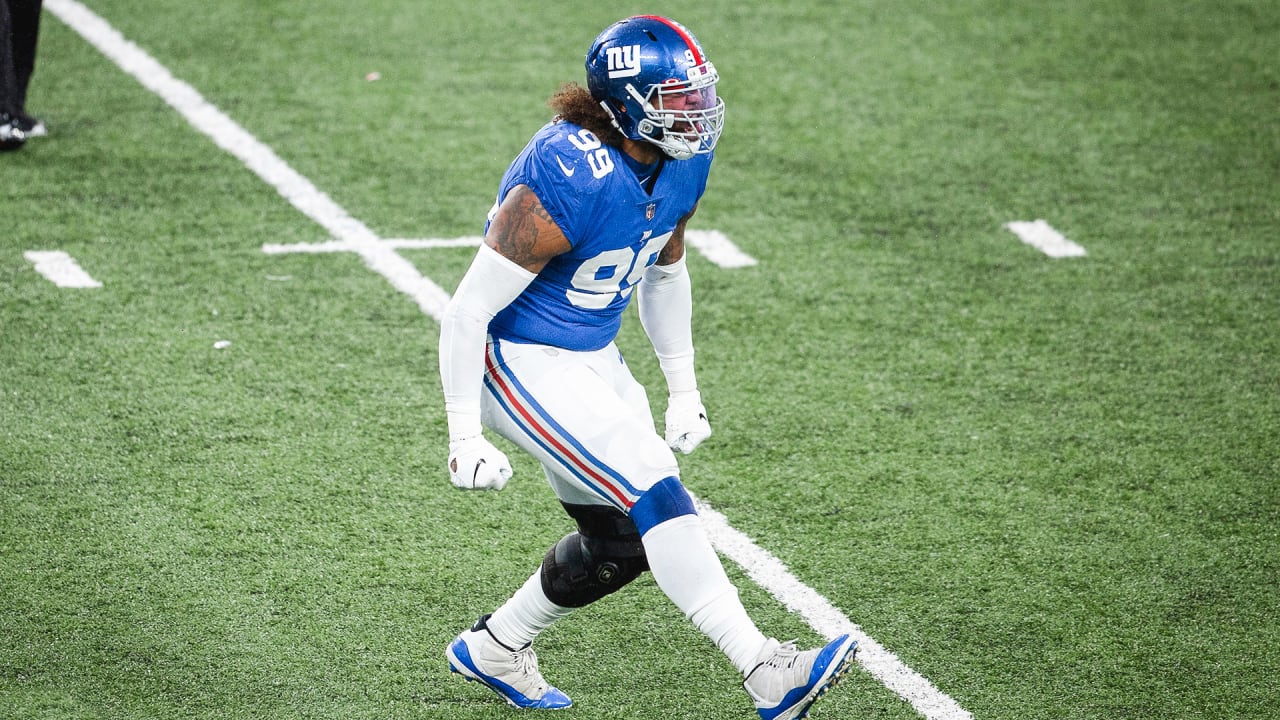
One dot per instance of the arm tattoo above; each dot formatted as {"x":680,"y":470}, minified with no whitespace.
{"x":524,"y":231}
{"x":674,"y":249}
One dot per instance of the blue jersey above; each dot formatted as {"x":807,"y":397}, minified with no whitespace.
{"x":616,"y":230}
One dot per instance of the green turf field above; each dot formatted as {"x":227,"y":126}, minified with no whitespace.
{"x":1049,"y":486}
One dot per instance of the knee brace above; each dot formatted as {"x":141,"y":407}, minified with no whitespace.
{"x":600,"y":558}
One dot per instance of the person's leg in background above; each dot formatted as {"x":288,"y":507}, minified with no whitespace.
{"x":25,"y":18}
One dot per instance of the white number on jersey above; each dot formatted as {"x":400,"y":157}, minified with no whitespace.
{"x":597,"y":155}
{"x":599,"y":280}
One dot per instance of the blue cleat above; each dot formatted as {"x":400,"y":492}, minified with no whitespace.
{"x":477,"y":655}
{"x":788,"y":682}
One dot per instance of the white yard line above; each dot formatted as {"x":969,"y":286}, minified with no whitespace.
{"x":1041,"y":236}
{"x":262,"y":160}
{"x":713,"y":244}
{"x":61,"y":269}
{"x":718,"y":248}
{"x":350,"y":235}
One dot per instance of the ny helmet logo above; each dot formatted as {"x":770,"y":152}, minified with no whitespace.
{"x":623,"y":61}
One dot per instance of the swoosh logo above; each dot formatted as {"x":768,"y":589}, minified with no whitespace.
{"x":568,"y":172}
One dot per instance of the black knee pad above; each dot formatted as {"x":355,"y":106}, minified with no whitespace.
{"x":600,"y":558}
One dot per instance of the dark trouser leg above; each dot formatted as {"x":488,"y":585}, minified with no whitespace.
{"x":8,"y":74}
{"x":25,"y":16}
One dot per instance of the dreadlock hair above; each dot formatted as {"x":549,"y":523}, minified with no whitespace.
{"x":573,"y":103}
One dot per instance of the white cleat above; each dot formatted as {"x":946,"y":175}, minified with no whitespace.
{"x":477,"y":655}
{"x":788,"y":682}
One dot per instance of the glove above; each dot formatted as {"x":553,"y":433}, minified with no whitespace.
{"x":687,"y":424}
{"x":475,"y":464}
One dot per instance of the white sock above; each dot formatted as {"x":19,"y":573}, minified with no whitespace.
{"x":526,"y":614}
{"x":688,"y":570}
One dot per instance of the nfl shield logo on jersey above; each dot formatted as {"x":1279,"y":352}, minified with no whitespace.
{"x":650,"y":210}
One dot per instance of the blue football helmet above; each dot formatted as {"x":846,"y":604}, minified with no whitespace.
{"x":651,"y":76}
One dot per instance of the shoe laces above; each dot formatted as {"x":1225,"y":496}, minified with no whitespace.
{"x":526,"y":664}
{"x":784,"y":656}
{"x":526,"y":660}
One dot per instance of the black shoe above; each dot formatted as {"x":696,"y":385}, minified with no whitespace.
{"x":11,"y":136}
{"x":31,"y":126}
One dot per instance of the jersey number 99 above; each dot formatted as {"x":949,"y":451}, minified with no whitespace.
{"x":613,"y":274}
{"x":597,"y":155}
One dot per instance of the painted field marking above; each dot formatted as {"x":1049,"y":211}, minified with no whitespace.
{"x":353,"y":236}
{"x":61,"y":269}
{"x":713,"y":244}
{"x":718,"y":248}
{"x":1041,"y":236}
{"x":262,"y":160}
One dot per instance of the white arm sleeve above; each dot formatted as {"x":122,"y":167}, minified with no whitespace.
{"x":666,"y":313}
{"x":491,"y":283}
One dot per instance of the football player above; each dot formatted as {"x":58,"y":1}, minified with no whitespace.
{"x":591,"y":214}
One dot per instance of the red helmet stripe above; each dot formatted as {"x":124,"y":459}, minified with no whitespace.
{"x":684,"y":34}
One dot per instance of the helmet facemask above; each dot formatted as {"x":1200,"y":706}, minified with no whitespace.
{"x":682,"y":117}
